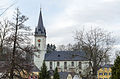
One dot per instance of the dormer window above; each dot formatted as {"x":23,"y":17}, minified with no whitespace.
{"x":58,"y":55}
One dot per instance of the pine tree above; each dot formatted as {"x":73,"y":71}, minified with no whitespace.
{"x":44,"y":74}
{"x":56,"y":74}
{"x":116,"y":69}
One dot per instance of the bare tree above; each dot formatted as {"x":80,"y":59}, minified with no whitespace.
{"x":68,"y":47}
{"x":61,"y":48}
{"x":19,"y":47}
{"x":97,"y":44}
{"x":4,"y":30}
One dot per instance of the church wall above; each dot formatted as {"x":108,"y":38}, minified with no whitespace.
{"x":70,"y":68}
{"x":39,"y":56}
{"x":42,"y":42}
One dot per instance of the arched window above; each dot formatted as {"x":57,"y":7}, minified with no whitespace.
{"x":80,"y":65}
{"x":38,"y":45}
{"x":65,"y":65}
{"x":72,"y":63}
{"x":58,"y":63}
{"x":51,"y":65}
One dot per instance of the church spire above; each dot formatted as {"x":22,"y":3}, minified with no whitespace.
{"x":40,"y":29}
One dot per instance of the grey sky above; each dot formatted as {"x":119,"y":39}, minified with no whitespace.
{"x":63,"y":17}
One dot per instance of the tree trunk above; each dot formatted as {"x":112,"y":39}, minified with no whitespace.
{"x":14,"y":49}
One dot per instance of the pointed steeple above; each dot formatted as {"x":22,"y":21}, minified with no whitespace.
{"x":40,"y":29}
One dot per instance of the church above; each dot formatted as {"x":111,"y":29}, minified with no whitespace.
{"x":65,"y":61}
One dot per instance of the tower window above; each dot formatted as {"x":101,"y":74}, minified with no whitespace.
{"x":38,"y":45}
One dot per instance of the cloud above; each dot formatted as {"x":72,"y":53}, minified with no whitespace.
{"x":110,"y":0}
{"x":78,"y":13}
{"x":63,"y":17}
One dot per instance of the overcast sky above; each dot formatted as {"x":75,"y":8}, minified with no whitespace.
{"x":63,"y":17}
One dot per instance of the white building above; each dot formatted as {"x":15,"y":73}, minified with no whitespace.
{"x":65,"y":61}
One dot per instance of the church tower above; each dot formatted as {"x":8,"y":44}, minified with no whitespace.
{"x":40,"y":42}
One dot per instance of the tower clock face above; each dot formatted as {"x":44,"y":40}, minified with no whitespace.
{"x":39,"y":40}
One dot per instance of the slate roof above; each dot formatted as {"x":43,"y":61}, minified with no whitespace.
{"x":107,"y":66}
{"x":65,"y":56}
{"x":40,"y":29}
{"x":34,"y":69}
{"x":29,"y":66}
{"x":63,"y":75}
